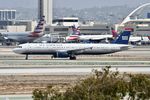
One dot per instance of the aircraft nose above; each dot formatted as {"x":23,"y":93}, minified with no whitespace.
{"x":17,"y":50}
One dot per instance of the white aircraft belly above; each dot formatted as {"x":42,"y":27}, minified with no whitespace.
{"x":100,"y":51}
{"x":41,"y":51}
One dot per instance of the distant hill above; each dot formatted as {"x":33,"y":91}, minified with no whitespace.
{"x":75,"y":4}
{"x":112,"y":14}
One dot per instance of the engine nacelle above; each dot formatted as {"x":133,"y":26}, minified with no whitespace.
{"x":61,"y":54}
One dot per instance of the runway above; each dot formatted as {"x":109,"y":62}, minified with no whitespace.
{"x":68,"y":71}
{"x":135,"y":57}
{"x":21,"y":76}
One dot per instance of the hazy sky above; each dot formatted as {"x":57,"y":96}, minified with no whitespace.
{"x":71,"y":3}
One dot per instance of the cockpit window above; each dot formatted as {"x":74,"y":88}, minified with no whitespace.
{"x":19,"y":47}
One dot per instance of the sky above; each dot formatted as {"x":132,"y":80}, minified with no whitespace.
{"x":75,"y":4}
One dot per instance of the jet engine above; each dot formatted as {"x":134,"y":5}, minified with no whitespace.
{"x":61,"y":54}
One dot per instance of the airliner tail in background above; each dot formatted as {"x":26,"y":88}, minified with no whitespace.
{"x":149,"y":37}
{"x":75,"y":30}
{"x":24,"y":37}
{"x":123,"y":38}
{"x":114,"y":33}
{"x":39,"y":28}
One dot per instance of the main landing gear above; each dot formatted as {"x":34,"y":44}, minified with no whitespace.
{"x":52,"y":57}
{"x":72,"y":57}
{"x":26,"y":57}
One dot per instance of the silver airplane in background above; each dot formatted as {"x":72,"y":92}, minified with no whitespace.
{"x":70,"y":50}
{"x":24,"y":37}
{"x":75,"y":35}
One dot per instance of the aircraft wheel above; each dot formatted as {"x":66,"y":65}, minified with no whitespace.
{"x":26,"y":57}
{"x":72,"y":57}
{"x":52,"y":57}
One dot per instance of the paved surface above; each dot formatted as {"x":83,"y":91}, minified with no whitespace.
{"x":16,"y":97}
{"x":21,"y":76}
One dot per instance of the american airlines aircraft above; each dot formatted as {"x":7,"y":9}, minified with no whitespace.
{"x":24,"y":37}
{"x":70,"y":50}
{"x":75,"y":35}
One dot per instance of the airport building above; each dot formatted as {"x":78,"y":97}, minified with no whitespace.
{"x":45,"y":9}
{"x":9,"y":23}
{"x":66,"y":21}
{"x":60,"y":26}
{"x":96,"y":29}
{"x":140,"y":26}
{"x":17,"y":25}
{"x":88,"y":28}
{"x":7,"y":15}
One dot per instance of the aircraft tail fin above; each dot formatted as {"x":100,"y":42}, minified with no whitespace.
{"x":75,"y":30}
{"x":40,"y":26}
{"x":149,"y":37}
{"x":123,"y":38}
{"x":114,"y":33}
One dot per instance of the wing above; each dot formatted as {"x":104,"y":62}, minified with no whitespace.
{"x":77,"y":51}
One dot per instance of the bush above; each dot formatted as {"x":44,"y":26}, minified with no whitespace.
{"x":102,"y":85}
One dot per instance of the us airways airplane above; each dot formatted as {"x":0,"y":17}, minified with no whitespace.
{"x":24,"y":37}
{"x":70,"y":50}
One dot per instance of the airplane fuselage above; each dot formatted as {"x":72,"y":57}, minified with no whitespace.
{"x":94,"y":37}
{"x":24,"y":37}
{"x":21,"y":37}
{"x":88,"y":37}
{"x":51,"y":48}
{"x":64,"y":50}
